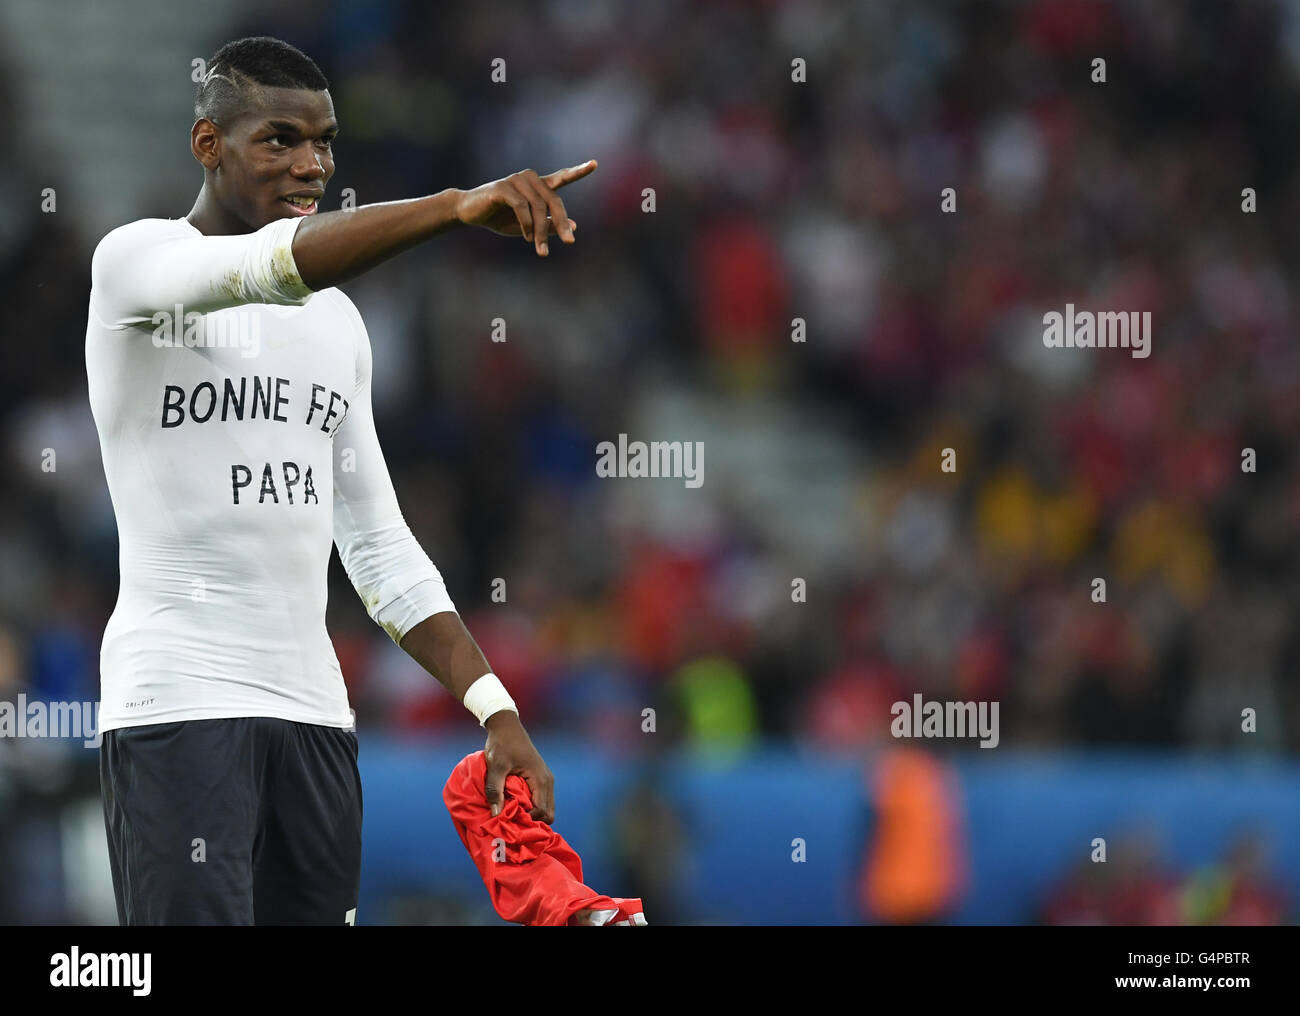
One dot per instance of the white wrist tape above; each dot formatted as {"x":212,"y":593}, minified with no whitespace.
{"x":486,"y":696}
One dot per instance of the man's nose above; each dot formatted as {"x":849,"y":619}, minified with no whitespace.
{"x":309,"y":167}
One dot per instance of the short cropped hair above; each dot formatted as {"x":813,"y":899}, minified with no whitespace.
{"x":240,"y":71}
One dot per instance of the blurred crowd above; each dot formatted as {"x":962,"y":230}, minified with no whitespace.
{"x":1138,"y":887}
{"x":776,"y":200}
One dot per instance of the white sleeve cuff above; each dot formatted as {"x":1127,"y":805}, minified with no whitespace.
{"x":422,"y":600}
{"x":270,"y":273}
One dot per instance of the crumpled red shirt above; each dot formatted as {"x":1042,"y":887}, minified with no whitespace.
{"x":540,"y":880}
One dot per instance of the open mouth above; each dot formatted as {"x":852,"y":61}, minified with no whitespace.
{"x":301,"y":205}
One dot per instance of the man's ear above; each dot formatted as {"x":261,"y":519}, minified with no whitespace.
{"x":205,"y":143}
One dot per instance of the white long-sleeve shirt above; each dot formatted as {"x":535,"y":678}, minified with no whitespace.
{"x":234,"y":416}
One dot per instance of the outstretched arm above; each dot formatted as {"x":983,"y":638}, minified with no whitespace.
{"x":155,"y":266}
{"x":332,"y":247}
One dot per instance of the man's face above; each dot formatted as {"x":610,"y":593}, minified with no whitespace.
{"x":276,"y":151}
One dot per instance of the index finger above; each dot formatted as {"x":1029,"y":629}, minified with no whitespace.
{"x":561,"y":177}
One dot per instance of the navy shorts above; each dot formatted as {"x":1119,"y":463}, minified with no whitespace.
{"x":249,"y":820}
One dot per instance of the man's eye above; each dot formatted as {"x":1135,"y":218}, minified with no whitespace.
{"x":280,"y":139}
